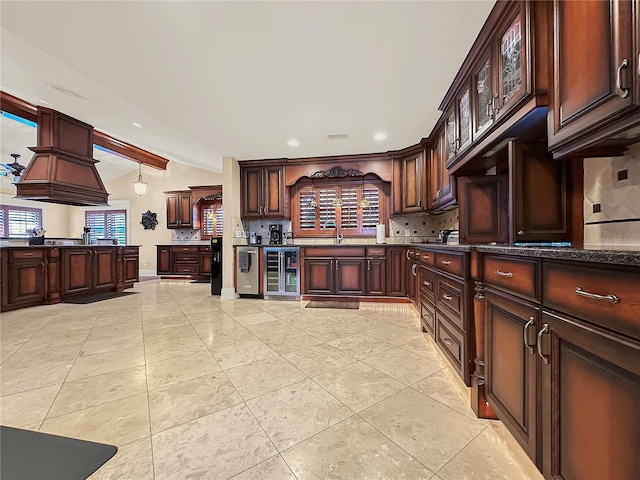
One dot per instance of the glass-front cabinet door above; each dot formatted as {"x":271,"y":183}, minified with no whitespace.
{"x":291,"y":268}
{"x":451,"y":136}
{"x":272,"y":271}
{"x":464,"y":119}
{"x":483,"y":95}
{"x":512,"y":62}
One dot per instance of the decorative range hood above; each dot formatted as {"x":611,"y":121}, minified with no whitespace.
{"x":63,"y":169}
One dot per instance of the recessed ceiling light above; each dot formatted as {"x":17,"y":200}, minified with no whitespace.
{"x":380,"y":136}
{"x":136,"y":125}
{"x":44,"y":101}
{"x":293,"y":142}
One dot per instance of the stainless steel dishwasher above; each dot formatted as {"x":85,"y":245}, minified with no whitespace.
{"x":247,"y":271}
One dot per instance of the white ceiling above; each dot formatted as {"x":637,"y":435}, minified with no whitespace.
{"x":213,"y":79}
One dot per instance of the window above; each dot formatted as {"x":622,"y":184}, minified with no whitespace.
{"x":108,"y":224}
{"x":212,"y":220}
{"x":15,"y":221}
{"x":357,"y":207}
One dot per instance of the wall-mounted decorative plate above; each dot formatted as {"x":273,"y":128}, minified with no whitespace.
{"x":149,"y":220}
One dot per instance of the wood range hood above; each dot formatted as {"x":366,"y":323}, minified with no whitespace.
{"x":62,"y":169}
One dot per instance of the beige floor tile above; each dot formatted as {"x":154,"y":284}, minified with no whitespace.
{"x":165,"y":322}
{"x":303,"y":320}
{"x":241,"y":353}
{"x":431,"y":432}
{"x":244,"y":318}
{"x":216,"y":446}
{"x":331,"y":331}
{"x":110,"y":344}
{"x":119,"y":331}
{"x":178,"y":369}
{"x":157,"y":352}
{"x":184,"y":332}
{"x":425,"y":347}
{"x":25,"y":379}
{"x":297,"y":412}
{"x":318,"y":359}
{"x":42,"y":357}
{"x":118,"y":423}
{"x":132,"y":462}
{"x":360,"y":346}
{"x":442,"y":386}
{"x":273,"y":469}
{"x":270,"y":329}
{"x":196,"y":397}
{"x":358,"y":385}
{"x":264,"y":376}
{"x":54,"y":341}
{"x":117,"y":319}
{"x":209,"y":315}
{"x":27,"y":408}
{"x":492,"y":455}
{"x":235,"y":310}
{"x":288,"y":342}
{"x":402,"y":365}
{"x":409,"y":323}
{"x":394,"y":334}
{"x":91,"y":391}
{"x":87,"y":365}
{"x":211,"y":327}
{"x":227,"y":336}
{"x":353,"y":450}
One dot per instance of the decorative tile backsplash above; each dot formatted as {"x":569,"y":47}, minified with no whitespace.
{"x":612,"y":199}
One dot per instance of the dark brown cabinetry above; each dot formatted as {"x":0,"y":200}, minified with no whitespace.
{"x":164,"y":263}
{"x":26,"y":270}
{"x":130,"y":265}
{"x":413,"y":182}
{"x":376,"y":276}
{"x":483,"y":209}
{"x":263,"y":191}
{"x":179,"y":211}
{"x":596,"y":81}
{"x":350,"y":276}
{"x":318,"y":276}
{"x":441,"y":185}
{"x":192,"y":260}
{"x":396,"y":271}
{"x":204,"y":258}
{"x":88,"y":269}
{"x":510,"y":369}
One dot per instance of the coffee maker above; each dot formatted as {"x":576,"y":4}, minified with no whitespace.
{"x":275,"y":234}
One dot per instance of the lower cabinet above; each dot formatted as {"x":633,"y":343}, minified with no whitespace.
{"x":396,"y":271}
{"x":27,"y":278}
{"x":350,"y":276}
{"x":590,"y":401}
{"x":376,"y":276}
{"x":183,"y":260}
{"x":164,"y":264}
{"x":318,"y":276}
{"x":130,"y":265}
{"x":104,"y":267}
{"x":510,"y":367}
{"x":88,"y":269}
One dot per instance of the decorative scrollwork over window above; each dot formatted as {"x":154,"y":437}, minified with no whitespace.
{"x":337,"y":172}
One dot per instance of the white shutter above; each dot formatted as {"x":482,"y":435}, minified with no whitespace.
{"x":327,"y":208}
{"x":108,"y":224}
{"x":307,"y":210}
{"x":371,"y":214}
{"x":20,"y":220}
{"x":219,"y":221}
{"x":349,"y":213}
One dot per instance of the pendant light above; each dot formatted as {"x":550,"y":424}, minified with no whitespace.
{"x":140,"y":186}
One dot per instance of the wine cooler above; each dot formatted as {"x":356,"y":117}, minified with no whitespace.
{"x":281,"y":271}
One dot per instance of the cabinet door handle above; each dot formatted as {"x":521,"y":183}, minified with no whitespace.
{"x":331,"y":265}
{"x":448,"y":298}
{"x":419,"y":202}
{"x":496,"y":108}
{"x":525,"y":337}
{"x":447,"y":342}
{"x":408,"y":255}
{"x":622,"y":92}
{"x":266,"y":210}
{"x":42,"y":266}
{"x":425,"y":283}
{"x":610,"y":298}
{"x":543,"y":330}
{"x":445,"y":262}
{"x":504,"y":274}
{"x":29,"y":254}
{"x":369,"y":265}
{"x":520,"y":232}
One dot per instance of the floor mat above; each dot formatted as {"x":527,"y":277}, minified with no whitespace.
{"x":29,"y":455}
{"x":97,"y":298}
{"x":333,"y":304}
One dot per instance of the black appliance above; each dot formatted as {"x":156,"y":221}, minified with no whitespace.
{"x":216,"y":266}
{"x":275,"y":234}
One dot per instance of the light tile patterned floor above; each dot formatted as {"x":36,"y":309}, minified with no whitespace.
{"x":188,"y":386}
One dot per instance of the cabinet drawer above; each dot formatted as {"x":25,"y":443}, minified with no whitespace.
{"x":334,"y":251}
{"x":130,"y":251}
{"x":516,"y":275}
{"x":427,"y":315}
{"x":451,"y":263}
{"x":427,"y":258}
{"x":27,"y":254}
{"x":185,"y":250}
{"x":186,"y":257}
{"x":451,"y":342}
{"x":427,"y":283}
{"x":186,"y":269}
{"x":204,"y":249}
{"x":376,"y":251}
{"x":570,"y":288}
{"x":450,"y":299}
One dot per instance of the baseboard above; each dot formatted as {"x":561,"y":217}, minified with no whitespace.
{"x":356,"y":298}
{"x":228,"y":293}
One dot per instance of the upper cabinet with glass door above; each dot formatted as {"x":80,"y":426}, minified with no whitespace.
{"x":503,"y":75}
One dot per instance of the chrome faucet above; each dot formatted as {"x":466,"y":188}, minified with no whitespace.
{"x":339,"y":236}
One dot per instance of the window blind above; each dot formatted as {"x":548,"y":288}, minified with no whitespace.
{"x":108,"y":224}
{"x":16,"y":221}
{"x":212,"y":221}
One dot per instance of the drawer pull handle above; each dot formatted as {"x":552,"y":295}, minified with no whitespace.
{"x":504,"y":274}
{"x":545,"y":329}
{"x":445,"y":262}
{"x":610,"y":298}
{"x":525,"y":337}
{"x":425,"y":256}
{"x":425,"y":283}
{"x":29,"y":254}
{"x":447,"y":297}
{"x":447,"y":342}
{"x":408,"y":255}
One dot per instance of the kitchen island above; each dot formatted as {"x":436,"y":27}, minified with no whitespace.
{"x":42,"y":275}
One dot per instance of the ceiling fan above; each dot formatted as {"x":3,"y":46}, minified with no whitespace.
{"x":14,"y":168}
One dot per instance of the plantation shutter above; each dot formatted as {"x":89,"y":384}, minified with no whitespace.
{"x":2,"y":227}
{"x":219,"y":221}
{"x":371,"y":214}
{"x":108,"y":224}
{"x":212,"y":221}
{"x":307,"y":210}
{"x":16,"y":221}
{"x":349,"y":211}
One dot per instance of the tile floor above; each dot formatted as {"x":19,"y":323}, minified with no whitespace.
{"x":188,"y":386}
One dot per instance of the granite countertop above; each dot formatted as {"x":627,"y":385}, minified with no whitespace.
{"x":67,"y":246}
{"x":590,"y":253}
